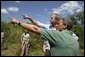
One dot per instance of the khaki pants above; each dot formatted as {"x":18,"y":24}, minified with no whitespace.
{"x":24,"y":49}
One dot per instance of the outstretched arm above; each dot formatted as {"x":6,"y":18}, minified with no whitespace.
{"x":30,"y":18}
{"x":29,"y":27}
{"x":37,"y":23}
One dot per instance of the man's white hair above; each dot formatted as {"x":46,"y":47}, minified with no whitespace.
{"x":55,"y":12}
{"x":56,"y":15}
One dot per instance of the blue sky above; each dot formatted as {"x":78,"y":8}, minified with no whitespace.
{"x":40,"y":10}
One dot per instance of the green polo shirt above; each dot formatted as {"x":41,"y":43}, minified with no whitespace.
{"x":61,"y":42}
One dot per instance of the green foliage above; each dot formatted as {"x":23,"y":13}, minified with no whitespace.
{"x":72,"y":19}
{"x":77,"y":17}
{"x":80,"y":16}
{"x":12,"y":41}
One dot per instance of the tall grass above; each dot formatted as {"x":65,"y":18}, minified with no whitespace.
{"x":12,"y":41}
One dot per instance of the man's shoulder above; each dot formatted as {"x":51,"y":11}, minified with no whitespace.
{"x":50,"y":31}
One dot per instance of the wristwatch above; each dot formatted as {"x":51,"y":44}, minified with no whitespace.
{"x":19,"y":23}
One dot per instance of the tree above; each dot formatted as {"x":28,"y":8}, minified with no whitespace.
{"x":80,"y":16}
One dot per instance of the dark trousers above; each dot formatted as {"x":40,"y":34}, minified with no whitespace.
{"x":47,"y":53}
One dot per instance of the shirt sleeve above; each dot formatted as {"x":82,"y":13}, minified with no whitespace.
{"x":50,"y":35}
{"x":74,"y":36}
{"x":42,"y":25}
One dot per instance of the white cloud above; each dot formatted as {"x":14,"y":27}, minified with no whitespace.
{"x":78,"y":10}
{"x":4,"y":11}
{"x":55,"y":10}
{"x":13,"y":9}
{"x":69,"y":7}
{"x":17,"y":1}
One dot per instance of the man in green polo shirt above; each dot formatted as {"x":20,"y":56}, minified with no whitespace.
{"x":61,"y":40}
{"x":61,"y":43}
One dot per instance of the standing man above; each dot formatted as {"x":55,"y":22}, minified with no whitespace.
{"x":2,"y":39}
{"x":2,"y":35}
{"x":25,"y":43}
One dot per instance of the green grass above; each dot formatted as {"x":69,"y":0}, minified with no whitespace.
{"x":11,"y":50}
{"x":36,"y":52}
{"x":81,"y":52}
{"x":14,"y":50}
